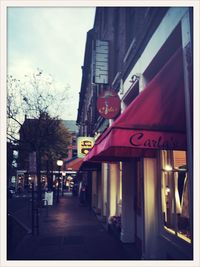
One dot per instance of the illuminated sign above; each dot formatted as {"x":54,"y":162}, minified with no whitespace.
{"x":84,"y":145}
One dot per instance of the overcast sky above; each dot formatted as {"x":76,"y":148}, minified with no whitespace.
{"x":52,"y":39}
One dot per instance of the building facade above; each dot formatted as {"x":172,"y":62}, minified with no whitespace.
{"x":144,"y":188}
{"x":73,"y":130}
{"x":26,"y":169}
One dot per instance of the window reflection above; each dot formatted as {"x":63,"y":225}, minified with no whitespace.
{"x":175,"y":200}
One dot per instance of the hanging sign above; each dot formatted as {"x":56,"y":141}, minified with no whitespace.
{"x":108,"y":104}
{"x":84,"y":145}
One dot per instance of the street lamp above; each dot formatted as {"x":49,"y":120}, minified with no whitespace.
{"x":63,"y":174}
{"x":29,"y":181}
{"x":34,"y":211}
{"x":59,"y":164}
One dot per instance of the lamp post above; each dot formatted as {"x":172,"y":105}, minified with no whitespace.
{"x":59,"y":164}
{"x":29,"y":182}
{"x":63,"y":174}
{"x":34,"y":208}
{"x":33,"y":205}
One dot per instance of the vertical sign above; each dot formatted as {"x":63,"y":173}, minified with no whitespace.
{"x":100,"y":62}
{"x":84,"y":145}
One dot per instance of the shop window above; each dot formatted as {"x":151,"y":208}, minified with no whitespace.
{"x":175,"y":199}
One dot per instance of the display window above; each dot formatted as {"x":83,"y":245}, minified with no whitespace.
{"x":174,"y":192}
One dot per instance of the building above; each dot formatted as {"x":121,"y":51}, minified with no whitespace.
{"x":73,"y":130}
{"x":11,"y":164}
{"x":40,"y":131}
{"x":71,"y":163}
{"x":144,"y":188}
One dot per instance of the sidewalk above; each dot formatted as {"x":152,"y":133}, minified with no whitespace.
{"x":70,"y":232}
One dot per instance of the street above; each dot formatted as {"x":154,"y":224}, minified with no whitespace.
{"x":17,"y":203}
{"x":67,"y":231}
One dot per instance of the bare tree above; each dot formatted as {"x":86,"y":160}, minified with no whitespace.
{"x":33,"y":108}
{"x":35,"y":95}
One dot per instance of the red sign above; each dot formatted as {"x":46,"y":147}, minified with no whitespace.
{"x":108,"y":104}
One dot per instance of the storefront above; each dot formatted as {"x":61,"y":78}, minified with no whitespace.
{"x":147,"y":148}
{"x":144,"y":189}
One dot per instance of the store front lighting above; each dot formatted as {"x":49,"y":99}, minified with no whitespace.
{"x":168,"y":168}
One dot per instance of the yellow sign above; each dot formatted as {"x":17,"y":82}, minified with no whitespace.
{"x":84,"y":145}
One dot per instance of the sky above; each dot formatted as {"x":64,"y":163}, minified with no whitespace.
{"x":52,"y":39}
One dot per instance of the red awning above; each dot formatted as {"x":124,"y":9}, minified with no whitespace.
{"x":73,"y":165}
{"x":155,"y":119}
{"x":90,"y":166}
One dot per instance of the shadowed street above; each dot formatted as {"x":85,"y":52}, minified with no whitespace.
{"x":69,"y":231}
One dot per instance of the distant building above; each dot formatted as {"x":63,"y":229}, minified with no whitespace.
{"x":73,"y":130}
{"x":27,"y":156}
{"x":72,"y":164}
{"x":11,"y":163}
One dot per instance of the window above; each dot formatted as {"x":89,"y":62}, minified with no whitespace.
{"x":175,"y":200}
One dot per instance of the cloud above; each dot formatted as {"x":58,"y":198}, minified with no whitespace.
{"x":20,"y":66}
{"x":52,"y":39}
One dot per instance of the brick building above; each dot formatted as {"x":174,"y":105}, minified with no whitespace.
{"x":144,"y":188}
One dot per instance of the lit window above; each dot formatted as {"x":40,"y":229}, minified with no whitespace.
{"x":175,"y":200}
